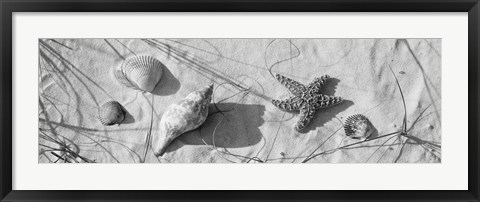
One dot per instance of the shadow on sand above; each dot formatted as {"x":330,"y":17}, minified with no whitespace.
{"x":238,"y":128}
{"x":324,"y":115}
{"x":168,"y":84}
{"x":128,"y":117}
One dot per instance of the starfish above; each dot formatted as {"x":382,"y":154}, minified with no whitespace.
{"x":306,"y":99}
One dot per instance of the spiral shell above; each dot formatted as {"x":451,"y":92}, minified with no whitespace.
{"x":358,"y":127}
{"x":111,"y":113}
{"x":140,"y":73}
{"x":184,"y":116}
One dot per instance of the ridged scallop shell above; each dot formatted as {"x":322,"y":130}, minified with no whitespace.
{"x":184,"y":116}
{"x":111,"y":113}
{"x":358,"y":127}
{"x":140,"y":73}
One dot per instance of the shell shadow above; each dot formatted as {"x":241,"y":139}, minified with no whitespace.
{"x":128,"y":117}
{"x":374,"y":132}
{"x":168,"y":84}
{"x":330,"y":87}
{"x":239,"y":128}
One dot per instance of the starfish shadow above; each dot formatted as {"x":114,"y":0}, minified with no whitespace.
{"x":325,"y":115}
{"x":330,"y":87}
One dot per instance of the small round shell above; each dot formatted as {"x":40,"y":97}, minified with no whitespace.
{"x":140,"y":73}
{"x":111,"y":113}
{"x":358,"y":127}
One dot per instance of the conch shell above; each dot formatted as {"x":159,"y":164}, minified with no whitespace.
{"x":140,"y":73}
{"x":184,"y":116}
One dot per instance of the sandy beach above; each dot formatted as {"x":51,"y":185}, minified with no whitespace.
{"x":243,"y":126}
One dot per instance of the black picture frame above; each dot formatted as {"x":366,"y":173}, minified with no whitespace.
{"x":8,"y":7}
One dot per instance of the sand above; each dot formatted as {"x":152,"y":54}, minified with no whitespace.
{"x":76,"y":78}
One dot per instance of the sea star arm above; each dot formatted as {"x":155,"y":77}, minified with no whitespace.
{"x":295,"y":87}
{"x":306,"y":116}
{"x":290,"y":104}
{"x":317,"y":83}
{"x":323,"y":101}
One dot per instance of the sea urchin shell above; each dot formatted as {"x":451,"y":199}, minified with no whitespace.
{"x":111,"y":113}
{"x":140,"y":73}
{"x":358,"y":127}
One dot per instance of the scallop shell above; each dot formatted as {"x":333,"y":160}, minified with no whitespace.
{"x":140,"y":73}
{"x":358,"y":127}
{"x":184,"y":116}
{"x":111,"y":113}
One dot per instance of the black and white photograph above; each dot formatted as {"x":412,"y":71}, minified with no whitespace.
{"x":234,"y":100}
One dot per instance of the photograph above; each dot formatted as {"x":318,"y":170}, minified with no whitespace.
{"x":240,"y":100}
